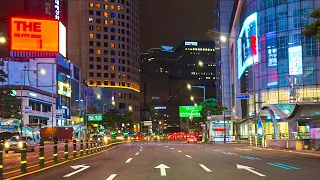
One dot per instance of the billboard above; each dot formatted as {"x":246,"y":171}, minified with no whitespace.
{"x":295,"y":60}
{"x":94,"y":117}
{"x":166,"y":48}
{"x":248,"y":44}
{"x":190,"y":43}
{"x":34,"y":35}
{"x":189,"y":111}
{"x":272,"y":59}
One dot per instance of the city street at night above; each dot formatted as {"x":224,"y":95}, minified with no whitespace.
{"x":179,"y":160}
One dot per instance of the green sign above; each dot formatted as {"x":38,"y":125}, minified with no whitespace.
{"x":94,"y":117}
{"x":189,"y":111}
{"x":13,"y":93}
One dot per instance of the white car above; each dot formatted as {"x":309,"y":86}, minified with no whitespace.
{"x":15,"y":143}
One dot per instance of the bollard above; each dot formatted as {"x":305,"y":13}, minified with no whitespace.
{"x":91,"y":149}
{"x":256,"y":140}
{"x":94,"y":147}
{"x":23,"y":162}
{"x":1,"y":161}
{"x":99,"y":146}
{"x":87,"y":147}
{"x":41,"y":154}
{"x":250,"y":140}
{"x":66,"y":151}
{"x":81,"y":148}
{"x":55,"y":151}
{"x":74,"y":148}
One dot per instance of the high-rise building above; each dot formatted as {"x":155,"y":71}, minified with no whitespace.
{"x":274,"y":69}
{"x":103,"y":40}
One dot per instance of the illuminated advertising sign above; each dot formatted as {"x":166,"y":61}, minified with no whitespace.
{"x":272,"y":59}
{"x":35,"y":35}
{"x":167,"y":48}
{"x":189,"y":111}
{"x":57,"y":9}
{"x":248,"y":50}
{"x":190,"y":43}
{"x":64,"y":89}
{"x":94,"y":117}
{"x":295,"y":60}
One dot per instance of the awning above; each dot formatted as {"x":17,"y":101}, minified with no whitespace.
{"x":38,"y":117}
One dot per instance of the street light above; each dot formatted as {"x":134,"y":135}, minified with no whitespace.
{"x":200,"y":63}
{"x":2,"y":40}
{"x":195,"y":104}
{"x":191,"y":98}
{"x":189,"y":86}
{"x":130,"y":108}
{"x":223,"y":38}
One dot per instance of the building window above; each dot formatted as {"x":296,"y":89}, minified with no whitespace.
{"x":91,"y":4}
{"x":90,"y":43}
{"x":113,"y":15}
{"x":106,"y":21}
{"x":90,"y":12}
{"x":91,"y":74}
{"x":106,"y":67}
{"x":112,"y":7}
{"x":105,"y":60}
{"x":99,"y":83}
{"x":105,"y":75}
{"x":98,"y":66}
{"x":91,"y":28}
{"x":90,"y":66}
{"x":113,"y":75}
{"x":98,"y":74}
{"x":105,"y":83}
{"x":98,"y":28}
{"x":123,"y":84}
{"x":112,"y":68}
{"x":98,"y":51}
{"x":112,"y":22}
{"x":113,"y":83}
{"x":90,"y":20}
{"x":112,"y":45}
{"x":98,"y":36}
{"x":91,"y":35}
{"x":105,"y":44}
{"x":105,"y":14}
{"x":90,"y":51}
{"x":98,"y":5}
{"x":90,"y":58}
{"x":105,"y":6}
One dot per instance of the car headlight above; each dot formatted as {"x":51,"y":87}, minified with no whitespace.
{"x":20,"y":145}
{"x":6,"y":145}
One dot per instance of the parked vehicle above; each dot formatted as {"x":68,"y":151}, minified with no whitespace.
{"x":192,"y":139}
{"x":7,"y":135}
{"x":15,"y":143}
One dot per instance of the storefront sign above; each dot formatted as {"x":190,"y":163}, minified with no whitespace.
{"x":64,"y":89}
{"x":160,"y":107}
{"x":295,"y":60}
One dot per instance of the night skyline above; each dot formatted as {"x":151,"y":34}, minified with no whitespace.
{"x":194,"y":19}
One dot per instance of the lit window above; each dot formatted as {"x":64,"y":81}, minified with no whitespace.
{"x":91,"y":35}
{"x":122,"y":9}
{"x":119,"y":8}
{"x":91,"y":4}
{"x":98,"y":51}
{"x":105,"y":14}
{"x":105,"y":6}
{"x":112,"y":45}
{"x":98,"y":5}
{"x":112,"y":7}
{"x":98,"y":28}
{"x":90,"y":20}
{"x":112,"y":68}
{"x":105,"y":21}
{"x":123,"y":76}
{"x":112,"y":22}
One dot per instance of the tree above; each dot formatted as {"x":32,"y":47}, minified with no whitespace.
{"x":210,"y":107}
{"x":313,"y":29}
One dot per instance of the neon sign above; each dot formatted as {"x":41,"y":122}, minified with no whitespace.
{"x":248,"y":50}
{"x":189,"y":43}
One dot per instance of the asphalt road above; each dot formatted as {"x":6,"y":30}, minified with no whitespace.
{"x":137,"y":161}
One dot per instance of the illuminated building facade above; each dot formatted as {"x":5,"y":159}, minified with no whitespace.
{"x":272,"y":61}
{"x":103,"y":41}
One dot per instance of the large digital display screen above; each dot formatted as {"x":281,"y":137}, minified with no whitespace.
{"x":62,"y":40}
{"x":34,"y":35}
{"x":272,"y":59}
{"x":248,"y":44}
{"x":295,"y":60}
{"x":189,"y":111}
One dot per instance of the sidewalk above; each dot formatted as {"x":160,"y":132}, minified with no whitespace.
{"x":304,"y":152}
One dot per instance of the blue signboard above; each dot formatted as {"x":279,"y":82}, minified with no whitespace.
{"x":243,"y":96}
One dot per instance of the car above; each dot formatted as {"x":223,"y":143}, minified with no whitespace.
{"x":15,"y":143}
{"x":192,"y":139}
{"x":4,"y":136}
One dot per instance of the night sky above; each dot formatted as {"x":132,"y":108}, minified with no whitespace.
{"x":170,"y":22}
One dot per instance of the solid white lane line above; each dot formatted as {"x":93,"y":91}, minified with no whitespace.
{"x":166,"y":146}
{"x":137,"y":153}
{"x":205,"y":168}
{"x":128,"y":160}
{"x":188,"y":156}
{"x":140,"y":149}
{"x":179,"y":151}
{"x":172,"y":148}
{"x":111,"y":176}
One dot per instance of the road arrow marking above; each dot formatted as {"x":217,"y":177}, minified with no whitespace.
{"x":179,"y":151}
{"x":137,"y":153}
{"x":162,"y":168}
{"x":188,"y":156}
{"x":250,"y":169}
{"x":111,"y":176}
{"x":128,"y":160}
{"x":205,"y":168}
{"x":80,"y":167}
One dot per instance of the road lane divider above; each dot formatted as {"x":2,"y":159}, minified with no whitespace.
{"x":129,"y":160}
{"x":112,"y":176}
{"x":140,"y":150}
{"x":179,"y":151}
{"x":250,"y":158}
{"x":229,"y":153}
{"x":172,"y":148}
{"x":283,"y":166}
{"x":205,"y":168}
{"x":137,"y":153}
{"x":188,"y":156}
